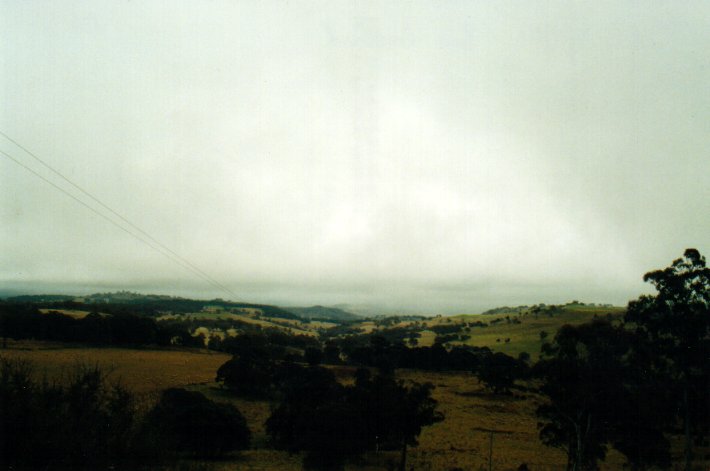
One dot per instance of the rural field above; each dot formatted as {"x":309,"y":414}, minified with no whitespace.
{"x":461,"y":441}
{"x":481,"y":430}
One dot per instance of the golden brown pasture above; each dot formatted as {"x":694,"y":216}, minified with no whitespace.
{"x":67,"y":312}
{"x":461,"y":441}
{"x":141,"y":370}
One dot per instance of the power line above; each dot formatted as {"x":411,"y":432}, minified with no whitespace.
{"x":90,"y":208}
{"x":147,"y":239}
{"x":38,"y":175}
{"x":118,"y":215}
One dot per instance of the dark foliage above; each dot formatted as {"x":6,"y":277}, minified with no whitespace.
{"x":23,"y":321}
{"x":379,"y":352}
{"x":126,"y":302}
{"x":331,"y":353}
{"x":247,"y":375}
{"x":332,"y":423}
{"x":252,"y":369}
{"x":394,"y":412}
{"x":188,"y":422}
{"x":445,"y":338}
{"x":500,"y":371}
{"x":676,"y":323}
{"x":600,"y":387}
{"x":446,"y":328}
{"x":313,"y":356}
{"x":83,"y":424}
{"x":272,"y":343}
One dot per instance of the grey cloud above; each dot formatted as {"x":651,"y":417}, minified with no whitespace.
{"x":408,"y":155}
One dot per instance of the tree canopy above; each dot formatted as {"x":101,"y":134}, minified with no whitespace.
{"x":676,"y":321}
{"x":332,"y":422}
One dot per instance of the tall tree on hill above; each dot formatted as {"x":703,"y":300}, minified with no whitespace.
{"x":677,"y":322}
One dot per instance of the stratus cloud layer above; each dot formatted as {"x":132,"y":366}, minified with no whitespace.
{"x":404,"y":154}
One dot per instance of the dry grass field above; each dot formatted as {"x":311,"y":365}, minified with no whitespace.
{"x":141,"y":370}
{"x":461,"y":441}
{"x":67,"y":312}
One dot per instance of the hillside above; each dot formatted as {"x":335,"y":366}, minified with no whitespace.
{"x":509,"y":332}
{"x":323,"y":313}
{"x":146,"y":304}
{"x":39,"y":298}
{"x":514,"y":334}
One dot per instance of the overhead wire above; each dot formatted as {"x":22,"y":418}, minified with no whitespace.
{"x":115,"y":213}
{"x":146,"y":238}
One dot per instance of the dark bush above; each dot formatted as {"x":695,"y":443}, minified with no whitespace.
{"x":499,"y":372}
{"x":246,"y":376}
{"x":332,"y":423}
{"x":82,"y":424}
{"x":188,"y":422}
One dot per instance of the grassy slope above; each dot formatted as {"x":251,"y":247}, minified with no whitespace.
{"x":525,"y":337}
{"x":143,"y":371}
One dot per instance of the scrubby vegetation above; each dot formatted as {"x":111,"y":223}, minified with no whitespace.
{"x":188,"y":422}
{"x":84,"y":422}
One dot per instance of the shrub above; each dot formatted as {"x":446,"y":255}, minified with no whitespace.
{"x":81,"y":424}
{"x":188,"y":422}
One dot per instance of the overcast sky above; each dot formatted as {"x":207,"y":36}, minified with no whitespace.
{"x":432,"y":157}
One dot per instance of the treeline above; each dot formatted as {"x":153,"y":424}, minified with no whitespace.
{"x":270,"y":343}
{"x":385,"y":353}
{"x":497,"y":370}
{"x":23,"y":321}
{"x":84,"y":422}
{"x":150,"y":305}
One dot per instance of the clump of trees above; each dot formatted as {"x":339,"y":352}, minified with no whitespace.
{"x":256,"y":362}
{"x":628,"y":384}
{"x":79,"y":424}
{"x":83,"y":422}
{"x":379,"y":352}
{"x":332,"y":423}
{"x":499,"y":371}
{"x":445,"y":338}
{"x":596,"y":384}
{"x":25,"y":321}
{"x":326,"y":420}
{"x":676,"y":324}
{"x":189,"y":422}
